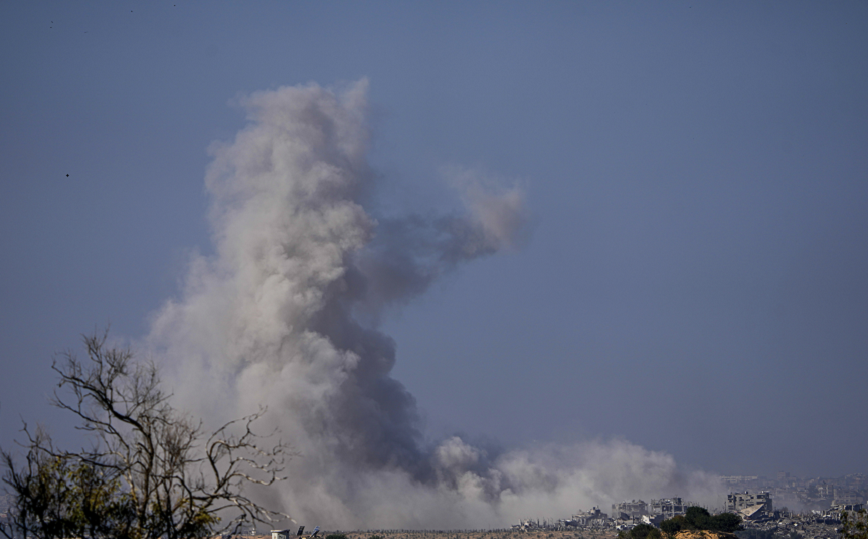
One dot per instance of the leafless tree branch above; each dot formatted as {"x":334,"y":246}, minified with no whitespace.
{"x":153,"y":471}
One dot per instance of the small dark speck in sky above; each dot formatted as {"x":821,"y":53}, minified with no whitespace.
{"x":67,"y":175}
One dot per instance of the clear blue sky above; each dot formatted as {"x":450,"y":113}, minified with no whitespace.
{"x":696,"y":280}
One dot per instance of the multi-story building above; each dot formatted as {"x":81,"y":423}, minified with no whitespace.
{"x":590,"y":518}
{"x":741,"y":501}
{"x":630,"y":510}
{"x":668,"y":507}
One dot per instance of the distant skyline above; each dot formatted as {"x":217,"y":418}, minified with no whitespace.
{"x":667,"y":252}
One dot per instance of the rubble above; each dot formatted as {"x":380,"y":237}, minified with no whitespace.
{"x":821,"y":501}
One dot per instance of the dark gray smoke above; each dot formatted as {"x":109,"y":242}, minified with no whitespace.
{"x":273,"y":318}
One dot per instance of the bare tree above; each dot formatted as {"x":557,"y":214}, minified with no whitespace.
{"x":151,"y":472}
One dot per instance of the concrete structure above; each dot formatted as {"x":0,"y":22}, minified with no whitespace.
{"x":749,"y":505}
{"x":629,"y":510}
{"x":847,"y":497}
{"x":593,"y":518}
{"x":851,"y":506}
{"x":754,"y":512}
{"x":668,"y":507}
{"x":655,"y":520}
{"x":733,"y":479}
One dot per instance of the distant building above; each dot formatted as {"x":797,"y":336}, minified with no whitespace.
{"x":630,"y":510}
{"x":733,"y":479}
{"x":847,"y":497}
{"x":668,"y":507}
{"x":654,"y":520}
{"x":847,"y":500}
{"x":592,"y":518}
{"x":750,"y":506}
{"x":849,"y":507}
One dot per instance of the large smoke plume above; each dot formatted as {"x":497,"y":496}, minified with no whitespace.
{"x":284,"y":314}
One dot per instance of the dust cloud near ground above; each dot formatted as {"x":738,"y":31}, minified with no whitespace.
{"x":483,"y":534}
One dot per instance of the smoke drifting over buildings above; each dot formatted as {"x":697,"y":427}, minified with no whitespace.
{"x":274,"y":317}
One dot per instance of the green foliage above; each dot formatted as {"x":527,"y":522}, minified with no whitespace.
{"x":338,"y":536}
{"x":99,"y":506}
{"x":61,"y":496}
{"x":376,"y":537}
{"x":854,"y":525}
{"x":645,"y":531}
{"x":726,"y":522}
{"x":697,"y":518}
{"x":641,"y":531}
{"x":674,"y":525}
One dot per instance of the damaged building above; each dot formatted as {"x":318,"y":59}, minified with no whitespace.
{"x":668,"y":507}
{"x":634,"y":510}
{"x":750,"y":506}
{"x":591,"y":519}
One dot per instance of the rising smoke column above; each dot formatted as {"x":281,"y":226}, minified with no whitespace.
{"x":272,"y":318}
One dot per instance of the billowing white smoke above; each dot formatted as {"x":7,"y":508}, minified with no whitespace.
{"x":273,"y":319}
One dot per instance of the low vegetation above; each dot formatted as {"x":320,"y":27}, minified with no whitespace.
{"x":854,"y":525}
{"x":641,"y":531}
{"x":695,"y":519}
